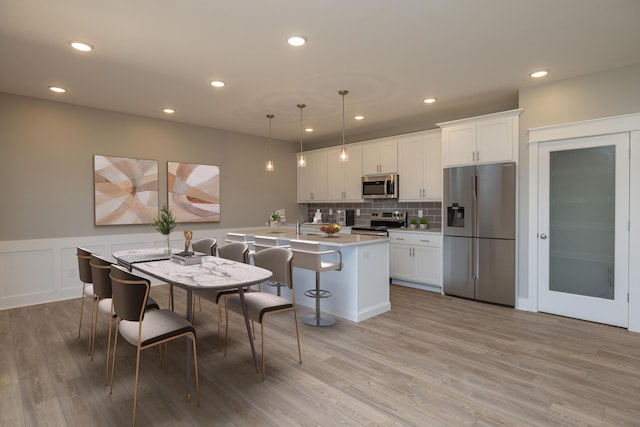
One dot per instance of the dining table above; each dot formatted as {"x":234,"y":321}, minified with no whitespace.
{"x":208,"y":273}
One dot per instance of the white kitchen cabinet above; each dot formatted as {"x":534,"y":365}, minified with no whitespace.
{"x":380,"y":157}
{"x":415,"y":257}
{"x":312,"y":179}
{"x":485,"y":139}
{"x":420,"y":166}
{"x":344,"y":178}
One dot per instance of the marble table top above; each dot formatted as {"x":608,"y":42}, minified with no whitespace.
{"x":213,"y":273}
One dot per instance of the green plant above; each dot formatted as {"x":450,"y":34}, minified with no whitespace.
{"x":423,"y":220}
{"x":165,"y":222}
{"x":275,"y":217}
{"x":413,"y":221}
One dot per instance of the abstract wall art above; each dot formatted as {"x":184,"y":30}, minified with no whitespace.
{"x":194,"y":192}
{"x":125,"y":190}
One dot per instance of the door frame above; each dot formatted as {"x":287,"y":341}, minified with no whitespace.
{"x":609,"y":125}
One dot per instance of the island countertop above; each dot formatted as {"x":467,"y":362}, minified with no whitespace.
{"x":339,"y":240}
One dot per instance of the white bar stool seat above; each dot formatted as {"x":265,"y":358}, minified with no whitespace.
{"x":309,"y":256}
{"x":264,"y":242}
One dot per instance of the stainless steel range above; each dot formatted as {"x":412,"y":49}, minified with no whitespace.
{"x":381,"y":222}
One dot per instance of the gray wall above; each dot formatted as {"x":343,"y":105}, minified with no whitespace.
{"x":47,"y":167}
{"x":592,"y":96}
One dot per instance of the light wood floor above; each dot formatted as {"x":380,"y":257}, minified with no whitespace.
{"x":431,"y":360}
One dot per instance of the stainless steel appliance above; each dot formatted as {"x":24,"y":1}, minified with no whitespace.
{"x":479,"y":232}
{"x":345,"y":217}
{"x":380,"y":186}
{"x":381,"y":222}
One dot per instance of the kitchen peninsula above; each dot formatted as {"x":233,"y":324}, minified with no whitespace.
{"x":360,"y":290}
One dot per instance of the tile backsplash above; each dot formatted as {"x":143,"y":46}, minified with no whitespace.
{"x":432,"y":210}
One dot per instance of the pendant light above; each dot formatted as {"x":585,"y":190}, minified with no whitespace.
{"x":269,"y":165}
{"x":344,"y":156}
{"x":302,"y":162}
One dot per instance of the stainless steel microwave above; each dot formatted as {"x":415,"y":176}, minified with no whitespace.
{"x":380,"y":186}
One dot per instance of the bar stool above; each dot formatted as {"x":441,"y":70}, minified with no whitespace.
{"x":308,"y":255}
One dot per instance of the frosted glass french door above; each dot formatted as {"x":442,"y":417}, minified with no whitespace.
{"x":583,"y":238}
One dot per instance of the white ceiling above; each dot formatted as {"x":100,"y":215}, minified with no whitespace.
{"x":390,"y":55}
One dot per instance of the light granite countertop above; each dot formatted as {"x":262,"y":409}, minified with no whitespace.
{"x":336,"y":240}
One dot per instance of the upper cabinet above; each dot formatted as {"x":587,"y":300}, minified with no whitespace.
{"x":344,"y":178}
{"x":312,"y":179}
{"x":420,"y":166}
{"x":380,"y":157}
{"x":484,"y":139}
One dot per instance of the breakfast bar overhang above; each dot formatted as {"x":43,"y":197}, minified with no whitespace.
{"x":360,"y":290}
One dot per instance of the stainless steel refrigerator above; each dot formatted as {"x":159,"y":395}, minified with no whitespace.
{"x":479,"y":232}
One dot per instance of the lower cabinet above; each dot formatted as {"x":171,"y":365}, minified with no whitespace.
{"x":415,"y":257}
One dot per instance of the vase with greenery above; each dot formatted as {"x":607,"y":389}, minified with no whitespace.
{"x":274,"y":219}
{"x":413,"y":222}
{"x":165,"y":223}
{"x":423,"y":222}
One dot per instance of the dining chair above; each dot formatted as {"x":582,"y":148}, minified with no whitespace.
{"x":235,"y":251}
{"x":102,"y":303}
{"x":264,"y":242}
{"x":309,"y":255}
{"x":260,"y":304}
{"x":145,"y":329}
{"x":84,"y":271}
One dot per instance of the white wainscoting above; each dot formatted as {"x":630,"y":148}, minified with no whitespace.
{"x":40,"y":271}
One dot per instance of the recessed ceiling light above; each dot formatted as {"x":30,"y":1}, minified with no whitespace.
{"x":359,"y":117}
{"x":297,"y":40}
{"x":57,"y":89}
{"x":308,"y":129}
{"x":81,"y":46}
{"x":430,"y":100}
{"x":539,"y":74}
{"x":216,"y":83}
{"x":169,"y":110}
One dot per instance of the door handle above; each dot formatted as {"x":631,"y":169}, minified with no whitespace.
{"x":543,"y":236}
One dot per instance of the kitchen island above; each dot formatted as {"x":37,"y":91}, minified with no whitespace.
{"x":360,"y":290}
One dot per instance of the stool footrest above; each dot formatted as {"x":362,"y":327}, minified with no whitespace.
{"x":317,"y":293}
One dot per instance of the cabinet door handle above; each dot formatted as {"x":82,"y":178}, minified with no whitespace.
{"x":399,"y":238}
{"x":477,"y":156}
{"x":426,"y":241}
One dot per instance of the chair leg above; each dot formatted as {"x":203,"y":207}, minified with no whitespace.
{"x":295,"y":320}
{"x":135,"y":389}
{"x":81,"y":308}
{"x":106,"y":375}
{"x":226,"y":329}
{"x":219,"y":319}
{"x":195,"y":364}
{"x":115,"y":351}
{"x":171,"y":297}
{"x":92,"y":327}
{"x":262,"y":345}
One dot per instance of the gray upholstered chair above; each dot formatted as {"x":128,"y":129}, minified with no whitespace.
{"x":145,"y":329}
{"x":242,"y":238}
{"x":308,"y":255}
{"x":235,"y":251}
{"x":100,"y":270}
{"x":264,"y":242}
{"x":262,"y":304}
{"x":84,"y":271}
{"x":206,"y":246}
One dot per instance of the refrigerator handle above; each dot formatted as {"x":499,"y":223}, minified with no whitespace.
{"x":472,"y":259}
{"x":476,"y":260}
{"x":474,"y":207}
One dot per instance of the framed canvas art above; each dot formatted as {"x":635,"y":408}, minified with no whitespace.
{"x":194,"y":192}
{"x":125,"y":190}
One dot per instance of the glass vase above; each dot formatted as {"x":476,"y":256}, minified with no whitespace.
{"x":168,"y":244}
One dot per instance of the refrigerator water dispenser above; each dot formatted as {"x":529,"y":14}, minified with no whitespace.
{"x":455,"y":215}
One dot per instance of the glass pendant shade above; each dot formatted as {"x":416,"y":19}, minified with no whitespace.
{"x":269,"y":165}
{"x":344,"y":156}
{"x":302,"y":162}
